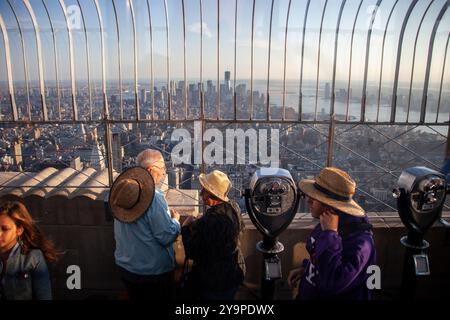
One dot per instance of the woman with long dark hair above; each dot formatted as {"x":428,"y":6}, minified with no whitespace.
{"x":24,"y":253}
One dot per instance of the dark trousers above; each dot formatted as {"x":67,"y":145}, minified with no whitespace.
{"x":148,"y":287}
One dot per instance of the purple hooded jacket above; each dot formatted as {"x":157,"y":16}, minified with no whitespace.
{"x":338,"y":265}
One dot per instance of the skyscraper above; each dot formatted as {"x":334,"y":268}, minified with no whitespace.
{"x":227,"y":81}
{"x":327,"y":90}
{"x":209,"y":87}
{"x":117,"y":152}
{"x":143,"y":96}
{"x":97,"y":160}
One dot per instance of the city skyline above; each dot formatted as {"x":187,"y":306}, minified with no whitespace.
{"x":300,"y":56}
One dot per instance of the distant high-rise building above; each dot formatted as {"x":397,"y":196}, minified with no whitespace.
{"x":117,"y":152}
{"x":143,"y":96}
{"x":76,"y":164}
{"x":97,"y":160}
{"x":173,"y":88}
{"x":209,"y":87}
{"x":327,"y":90}
{"x":227,"y":76}
{"x":92,"y":137}
{"x":241,"y":90}
{"x":17,"y":153}
{"x":83,"y":133}
{"x":227,"y":81}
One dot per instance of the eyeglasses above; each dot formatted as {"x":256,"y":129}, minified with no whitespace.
{"x":163,"y":169}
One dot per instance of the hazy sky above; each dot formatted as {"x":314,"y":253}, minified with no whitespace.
{"x":226,"y":38}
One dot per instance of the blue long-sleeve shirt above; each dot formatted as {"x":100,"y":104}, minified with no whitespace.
{"x":145,"y":247}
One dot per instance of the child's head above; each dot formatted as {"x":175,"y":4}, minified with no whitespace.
{"x":16,"y":222}
{"x":317,"y":207}
{"x":333,"y":188}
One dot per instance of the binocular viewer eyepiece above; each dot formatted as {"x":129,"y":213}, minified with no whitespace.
{"x":420,"y":195}
{"x":271,"y":200}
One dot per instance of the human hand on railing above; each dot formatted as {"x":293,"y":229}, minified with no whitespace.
{"x":174,"y":214}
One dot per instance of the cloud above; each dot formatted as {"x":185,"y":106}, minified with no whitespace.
{"x":195,"y":28}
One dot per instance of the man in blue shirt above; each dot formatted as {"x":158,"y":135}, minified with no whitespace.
{"x":144,"y":248}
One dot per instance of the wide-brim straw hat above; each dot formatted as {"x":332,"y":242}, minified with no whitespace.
{"x":334,"y":188}
{"x":131,"y":194}
{"x":217,"y":184}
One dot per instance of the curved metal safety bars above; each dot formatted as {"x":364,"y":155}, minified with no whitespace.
{"x":168,"y":99}
{"x":39,"y":58}
{"x":71,"y":61}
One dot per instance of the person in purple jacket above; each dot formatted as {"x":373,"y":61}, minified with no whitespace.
{"x":341,"y":246}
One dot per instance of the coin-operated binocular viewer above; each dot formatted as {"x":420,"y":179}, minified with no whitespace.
{"x":271,"y":203}
{"x":420,"y":197}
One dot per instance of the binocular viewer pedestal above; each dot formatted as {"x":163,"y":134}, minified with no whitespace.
{"x":271,"y":267}
{"x":269,"y":245}
{"x":271,"y":203}
{"x":420,"y":195}
{"x":416,"y":263}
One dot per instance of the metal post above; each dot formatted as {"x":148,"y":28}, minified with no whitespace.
{"x":430,"y":56}
{"x":331,"y":140}
{"x":71,"y":60}
{"x":447,"y":152}
{"x":151,"y":61}
{"x":235,"y":57}
{"x":86,"y":38}
{"x":9,"y":69}
{"x":336,"y":38}
{"x":24,"y":59}
{"x":119,"y":57}
{"x":108,"y":150}
{"x":268,"y":64}
{"x":366,"y":66}
{"x":318,"y":59}
{"x":58,"y":93}
{"x":39,"y":58}
{"x":135,"y":54}
{"x":397,"y":64}
{"x":283,"y":116}
{"x":350,"y":62}
{"x":251,"y":61}
{"x":382,"y":59}
{"x":300,"y":94}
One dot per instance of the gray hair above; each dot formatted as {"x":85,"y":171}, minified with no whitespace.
{"x":148,"y":157}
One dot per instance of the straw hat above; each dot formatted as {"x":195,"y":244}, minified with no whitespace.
{"x":131,"y":194}
{"x":334,"y":188}
{"x":216,"y":183}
